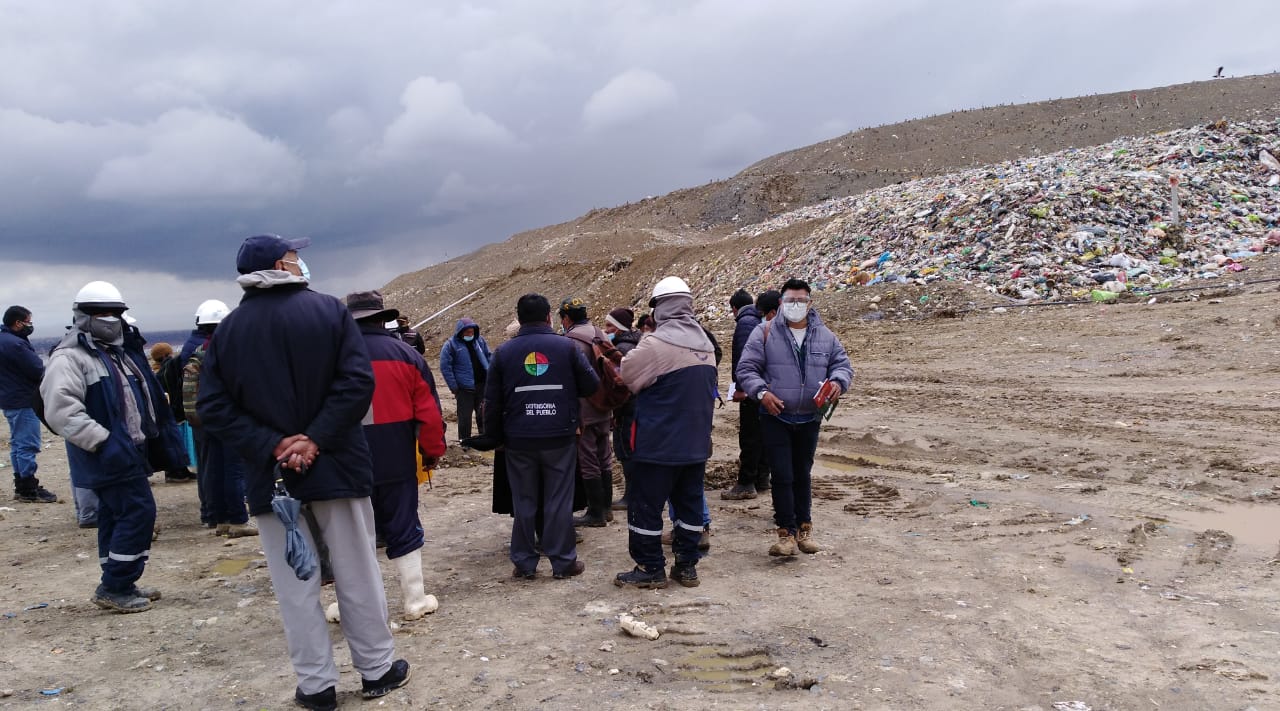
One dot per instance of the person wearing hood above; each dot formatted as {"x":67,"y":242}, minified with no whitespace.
{"x":20,"y":373}
{"x":286,"y":383}
{"x":673,"y":374}
{"x":101,"y":396}
{"x":403,"y":419}
{"x":794,"y":367}
{"x":464,"y":362}
{"x":618,"y":328}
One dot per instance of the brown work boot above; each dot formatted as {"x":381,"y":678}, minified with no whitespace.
{"x":804,"y":539}
{"x":739,"y":492}
{"x":786,"y":545}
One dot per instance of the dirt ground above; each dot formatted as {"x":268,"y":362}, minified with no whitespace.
{"x":1060,"y":508}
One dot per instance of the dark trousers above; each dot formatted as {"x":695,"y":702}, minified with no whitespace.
{"x":126,"y":521}
{"x":395,"y":516}
{"x":553,"y":471}
{"x":595,"y":451}
{"x":652,"y":485}
{"x":221,"y":481}
{"x":469,"y":406}
{"x":790,"y":449}
{"x":753,"y":464}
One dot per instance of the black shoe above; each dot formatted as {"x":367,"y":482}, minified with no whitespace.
{"x":590,"y":519}
{"x":36,"y":495}
{"x":396,"y":677}
{"x":686,"y":575}
{"x":762,"y":486}
{"x":640,"y":578}
{"x":524,"y":574}
{"x":326,"y":700}
{"x":88,"y":524}
{"x":739,"y":492}
{"x":575,"y":568}
{"x":125,"y":602}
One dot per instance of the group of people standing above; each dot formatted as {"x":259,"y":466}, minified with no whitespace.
{"x":295,"y":393}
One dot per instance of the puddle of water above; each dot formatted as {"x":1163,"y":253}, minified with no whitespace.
{"x":230,"y":566}
{"x":722,"y":672}
{"x":1248,"y":524}
{"x":847,"y":462}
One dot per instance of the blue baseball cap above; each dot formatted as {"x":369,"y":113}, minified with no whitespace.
{"x":263,"y":251}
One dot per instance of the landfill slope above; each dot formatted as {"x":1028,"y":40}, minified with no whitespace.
{"x":609,"y":255}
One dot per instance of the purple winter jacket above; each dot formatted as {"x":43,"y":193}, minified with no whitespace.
{"x":775,"y":365}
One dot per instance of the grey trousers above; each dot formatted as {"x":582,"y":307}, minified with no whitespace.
{"x":86,"y":504}
{"x":347,"y":527}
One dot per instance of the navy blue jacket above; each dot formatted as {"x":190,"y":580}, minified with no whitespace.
{"x":746,"y":321}
{"x":20,"y":371}
{"x":290,"y":360}
{"x":455,"y":358}
{"x":531,"y":396}
{"x":675,"y":391}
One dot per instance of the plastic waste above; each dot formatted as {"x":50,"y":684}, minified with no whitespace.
{"x":636,"y":627}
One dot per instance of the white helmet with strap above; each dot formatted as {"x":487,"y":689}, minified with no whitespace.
{"x":210,"y":312}
{"x":99,"y":294}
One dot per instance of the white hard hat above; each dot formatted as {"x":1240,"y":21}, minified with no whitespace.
{"x":211,"y":311}
{"x":99,"y":294}
{"x":669,"y":286}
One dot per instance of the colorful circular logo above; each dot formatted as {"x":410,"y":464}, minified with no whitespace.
{"x":535,"y":363}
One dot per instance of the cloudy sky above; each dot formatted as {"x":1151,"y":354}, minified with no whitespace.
{"x":142,"y":140}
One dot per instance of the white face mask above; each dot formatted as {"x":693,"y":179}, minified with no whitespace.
{"x":795,"y":312}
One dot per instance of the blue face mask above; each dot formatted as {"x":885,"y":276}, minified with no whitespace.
{"x":468,"y":338}
{"x":302,"y":267}
{"x":610,"y":336}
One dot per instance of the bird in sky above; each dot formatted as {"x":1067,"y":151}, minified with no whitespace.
{"x":1219,"y":74}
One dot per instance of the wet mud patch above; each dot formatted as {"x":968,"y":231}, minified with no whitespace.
{"x":723,"y":669}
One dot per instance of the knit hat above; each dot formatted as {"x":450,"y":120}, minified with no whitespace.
{"x":621,"y":318}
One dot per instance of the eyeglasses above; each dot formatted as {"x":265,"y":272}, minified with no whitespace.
{"x":795,"y":301}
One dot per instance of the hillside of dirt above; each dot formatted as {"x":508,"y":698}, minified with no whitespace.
{"x":612,"y":256}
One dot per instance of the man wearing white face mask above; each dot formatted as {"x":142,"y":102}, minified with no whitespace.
{"x":793,"y":366}
{"x":100,"y":394}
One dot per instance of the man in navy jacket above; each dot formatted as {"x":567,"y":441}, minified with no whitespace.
{"x":20,"y":373}
{"x":286,"y":382}
{"x":531,"y":407}
{"x":673,"y":374}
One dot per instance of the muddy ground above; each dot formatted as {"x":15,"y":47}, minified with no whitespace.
{"x":1047,"y":508}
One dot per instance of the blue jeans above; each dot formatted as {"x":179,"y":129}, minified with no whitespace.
{"x":24,"y":441}
{"x":790,"y":450}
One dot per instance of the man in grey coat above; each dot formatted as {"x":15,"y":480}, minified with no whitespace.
{"x":795,"y":368}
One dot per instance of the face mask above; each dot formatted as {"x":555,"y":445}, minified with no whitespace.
{"x":302,"y":267}
{"x":794,"y":312}
{"x":468,"y":339}
{"x":26,"y":331}
{"x":610,"y":336}
{"x":108,"y":329}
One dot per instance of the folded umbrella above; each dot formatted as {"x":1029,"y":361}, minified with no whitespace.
{"x":297,"y":552}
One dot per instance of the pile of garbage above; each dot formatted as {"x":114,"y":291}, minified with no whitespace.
{"x":1140,"y":213}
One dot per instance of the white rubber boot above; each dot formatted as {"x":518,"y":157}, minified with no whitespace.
{"x":416,"y":600}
